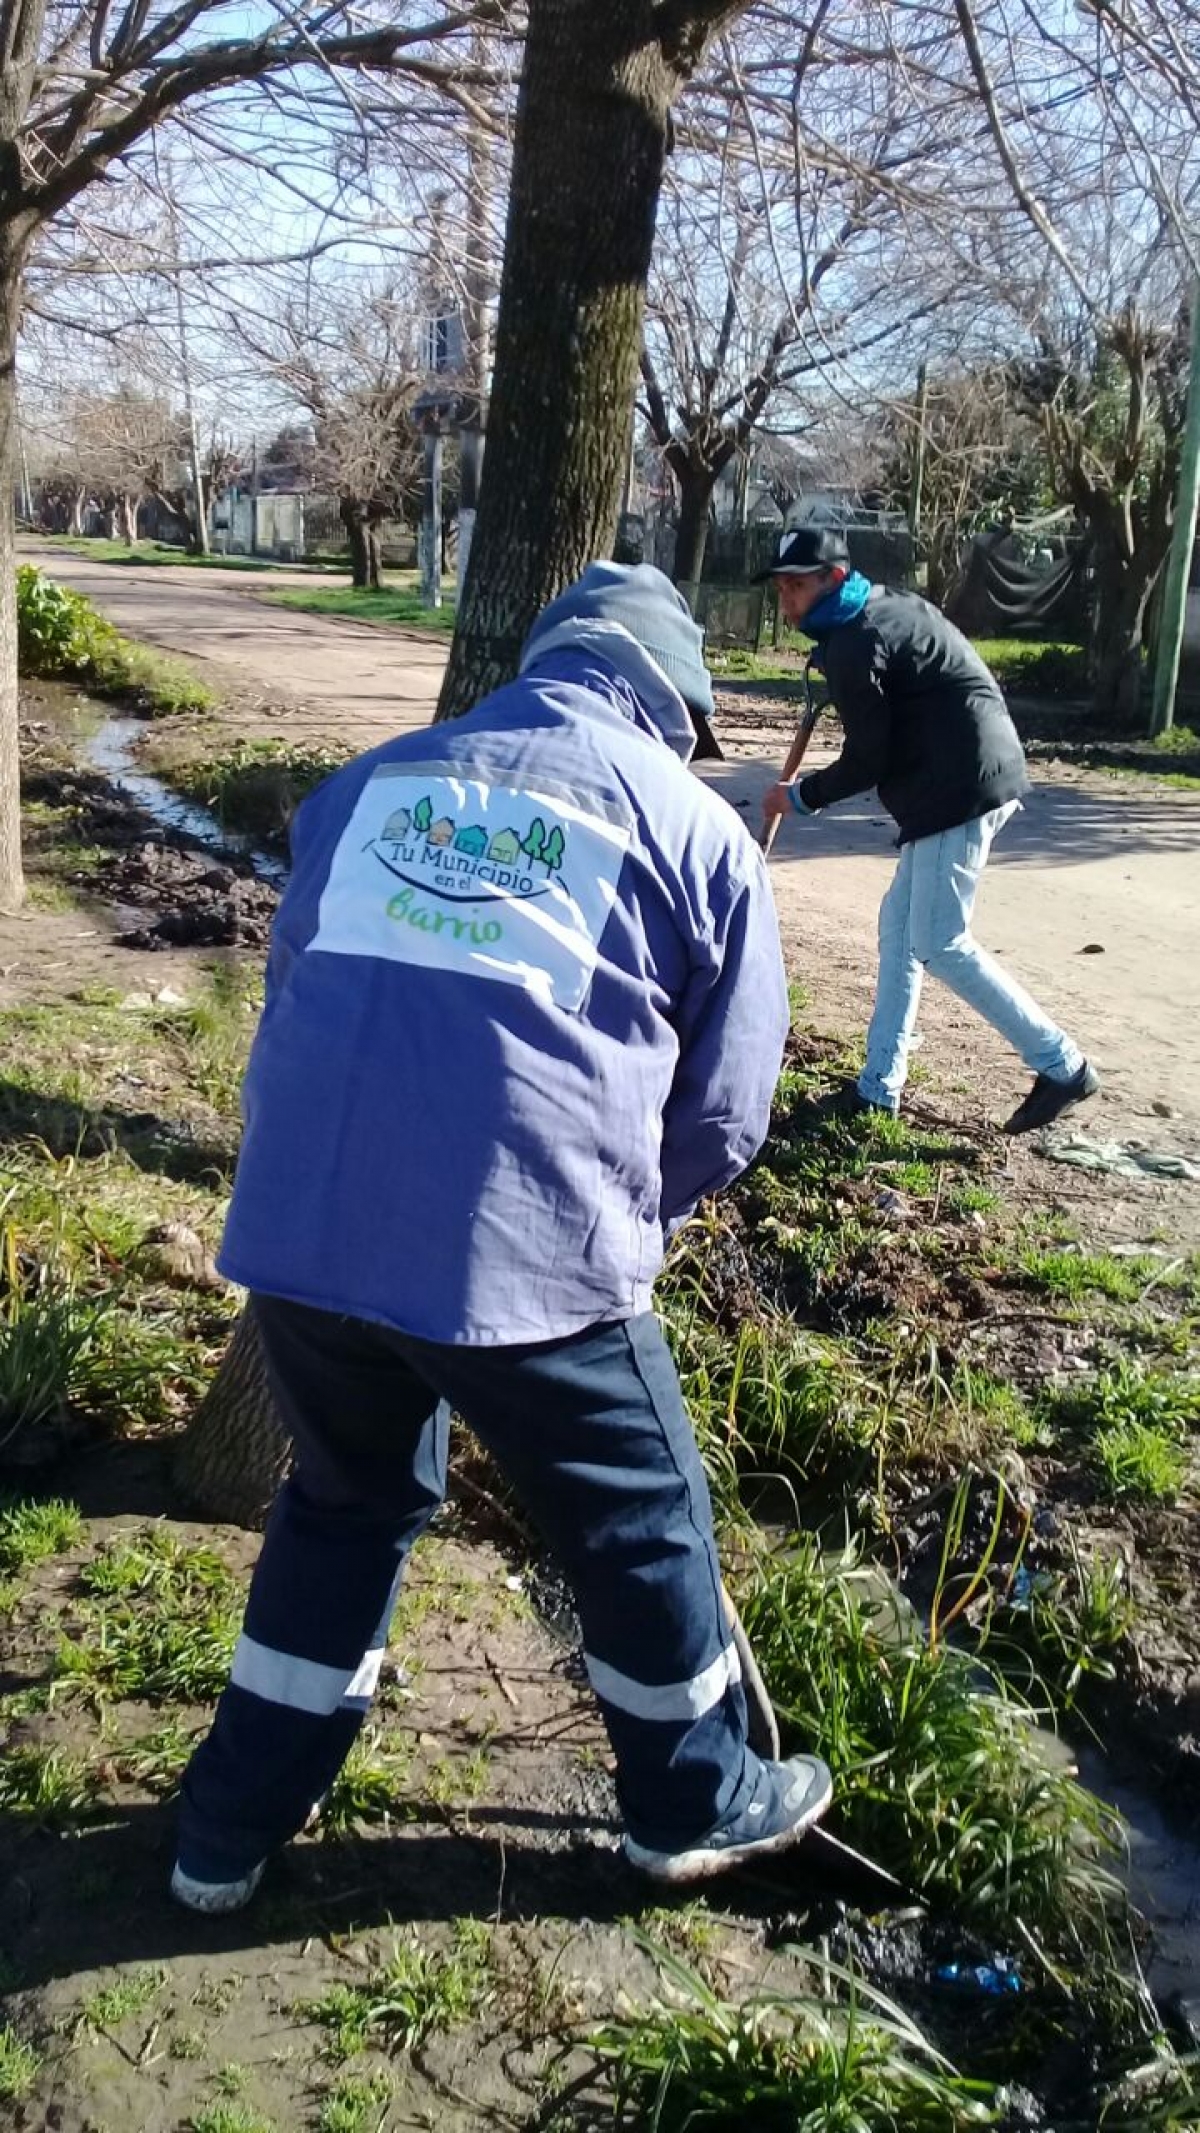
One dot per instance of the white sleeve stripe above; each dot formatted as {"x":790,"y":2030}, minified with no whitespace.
{"x":302,"y":1684}
{"x":670,"y":1701}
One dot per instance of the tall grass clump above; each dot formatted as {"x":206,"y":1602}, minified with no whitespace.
{"x":937,"y":1768}
{"x":840,"y":2060}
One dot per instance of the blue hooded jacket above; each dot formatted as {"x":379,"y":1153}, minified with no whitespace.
{"x":525,"y":1007}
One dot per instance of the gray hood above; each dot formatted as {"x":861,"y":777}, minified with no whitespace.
{"x":663,"y":709}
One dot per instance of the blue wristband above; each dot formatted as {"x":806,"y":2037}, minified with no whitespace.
{"x":799,"y":805}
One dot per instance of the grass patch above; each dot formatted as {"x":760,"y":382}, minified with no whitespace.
{"x":991,"y":1412}
{"x":46,"y":1329}
{"x":131,"y":1993}
{"x":1074,"y":1622}
{"x":415,"y":1994}
{"x":850,"y":2063}
{"x":62,"y":636}
{"x":156,"y":554}
{"x":1025,"y":668}
{"x":390,"y":606}
{"x":354,"y":2102}
{"x":256,"y":786}
{"x":31,"y":1532}
{"x":367,"y":1787}
{"x":1132,"y":1421}
{"x":224,"y":2116}
{"x":1139,"y":1461}
{"x":158,"y":1621}
{"x":46,"y":1786}
{"x":20,"y":2065}
{"x":1074,"y":1275}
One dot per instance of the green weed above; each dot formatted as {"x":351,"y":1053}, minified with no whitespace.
{"x":231,"y":2079}
{"x":994,"y":1412}
{"x":935,"y":1778}
{"x":130,"y":1994}
{"x":1140,"y":1460}
{"x":354,"y":2102}
{"x":31,"y":1532}
{"x":1074,"y":1275}
{"x":1075,"y":1622}
{"x":971,"y":1199}
{"x":188,"y":2044}
{"x":1128,"y":1392}
{"x":223,"y":2116}
{"x":415,"y":1993}
{"x":457,"y":1780}
{"x":383,"y":604}
{"x":159,"y":1620}
{"x":46,"y":1328}
{"x":1132,"y":1420}
{"x":46,"y":1785}
{"x":257,"y":786}
{"x":367,"y":1787}
{"x":844,"y":2060}
{"x":20,"y":2065}
{"x":60,"y":633}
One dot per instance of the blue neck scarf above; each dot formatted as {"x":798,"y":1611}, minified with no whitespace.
{"x":841,"y":605}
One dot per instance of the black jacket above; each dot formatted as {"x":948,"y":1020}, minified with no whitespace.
{"x":924,"y":719}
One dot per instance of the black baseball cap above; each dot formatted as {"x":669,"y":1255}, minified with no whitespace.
{"x":806,"y":549}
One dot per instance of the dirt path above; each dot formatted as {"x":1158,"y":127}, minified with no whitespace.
{"x":1093,"y":863}
{"x":350,"y":678}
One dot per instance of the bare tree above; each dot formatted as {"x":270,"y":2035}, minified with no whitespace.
{"x":344,"y":348}
{"x":81,"y":86}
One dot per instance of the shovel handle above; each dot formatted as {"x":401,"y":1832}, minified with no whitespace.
{"x":762,"y":1726}
{"x":795,"y":756}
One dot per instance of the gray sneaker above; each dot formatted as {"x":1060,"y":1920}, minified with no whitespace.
{"x":215,"y":1898}
{"x":788,"y":1798}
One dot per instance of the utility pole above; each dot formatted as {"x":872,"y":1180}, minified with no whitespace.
{"x":185,"y":368}
{"x":1173,"y":614}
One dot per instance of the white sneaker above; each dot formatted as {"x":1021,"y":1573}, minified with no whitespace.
{"x":215,"y":1897}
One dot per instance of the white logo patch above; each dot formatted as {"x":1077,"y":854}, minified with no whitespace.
{"x":451,"y":873}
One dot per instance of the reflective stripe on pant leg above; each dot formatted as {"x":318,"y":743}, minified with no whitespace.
{"x":592,"y":1432}
{"x":372,"y":1446}
{"x":670,"y":1702}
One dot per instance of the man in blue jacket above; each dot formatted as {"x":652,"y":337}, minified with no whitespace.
{"x":525,"y":1008}
{"x":925,"y":724}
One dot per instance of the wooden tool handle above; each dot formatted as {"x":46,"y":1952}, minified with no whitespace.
{"x":795,"y":756}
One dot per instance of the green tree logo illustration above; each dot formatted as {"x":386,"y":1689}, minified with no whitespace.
{"x":423,"y":815}
{"x":552,"y":851}
{"x":534,"y":845}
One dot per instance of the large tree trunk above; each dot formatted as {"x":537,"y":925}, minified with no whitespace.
{"x":362,"y":531}
{"x":128,"y":519}
{"x":1121,"y":593}
{"x":235,"y":1453}
{"x":591,"y":135}
{"x":691,"y":540}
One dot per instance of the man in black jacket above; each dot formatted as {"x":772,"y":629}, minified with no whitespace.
{"x":926,"y":724}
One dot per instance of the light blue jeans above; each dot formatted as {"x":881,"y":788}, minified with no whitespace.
{"x":925,"y":925}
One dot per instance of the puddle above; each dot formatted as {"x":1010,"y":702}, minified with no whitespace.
{"x":1163,"y":1881}
{"x":112,"y":750}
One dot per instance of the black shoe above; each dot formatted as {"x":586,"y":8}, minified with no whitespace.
{"x":1047,"y":1100}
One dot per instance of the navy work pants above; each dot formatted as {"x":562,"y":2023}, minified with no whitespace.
{"x":592,"y":1432}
